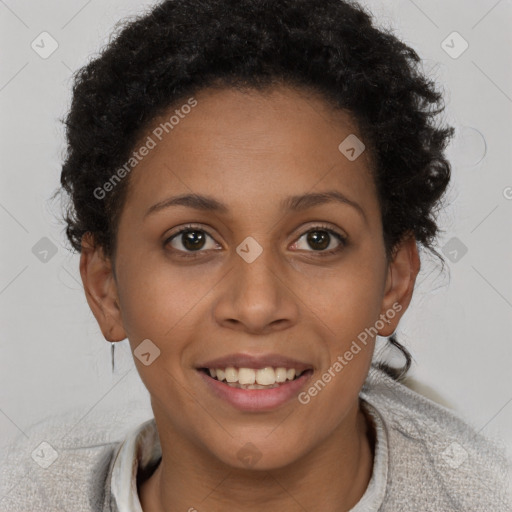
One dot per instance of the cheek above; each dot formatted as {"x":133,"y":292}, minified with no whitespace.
{"x":155,"y":306}
{"x":155,"y":298}
{"x":348,"y":299}
{"x":347,"y":310}
{"x":347,"y":307}
{"x":162,"y":304}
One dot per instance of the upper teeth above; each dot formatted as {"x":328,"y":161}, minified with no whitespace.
{"x":263,"y":376}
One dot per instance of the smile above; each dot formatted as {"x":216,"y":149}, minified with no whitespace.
{"x":255,"y":389}
{"x":250,"y":378}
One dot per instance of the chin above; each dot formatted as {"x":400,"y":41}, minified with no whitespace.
{"x":260,"y":453}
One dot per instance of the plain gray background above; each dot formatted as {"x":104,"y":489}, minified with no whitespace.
{"x":54,"y":358}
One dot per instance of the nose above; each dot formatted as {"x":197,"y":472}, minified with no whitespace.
{"x":257,"y":296}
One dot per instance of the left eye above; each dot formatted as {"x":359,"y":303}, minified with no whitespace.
{"x":321,"y":237}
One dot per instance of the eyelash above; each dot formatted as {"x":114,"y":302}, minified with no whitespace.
{"x":194,"y":254}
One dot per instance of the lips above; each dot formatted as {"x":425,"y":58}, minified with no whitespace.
{"x":255,"y":362}
{"x":254,"y":397}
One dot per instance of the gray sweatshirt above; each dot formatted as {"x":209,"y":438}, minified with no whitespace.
{"x":426,"y":459}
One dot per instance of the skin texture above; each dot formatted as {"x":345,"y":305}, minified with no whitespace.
{"x":250,"y":150}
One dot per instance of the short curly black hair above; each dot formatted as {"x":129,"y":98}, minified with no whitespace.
{"x":331,"y":47}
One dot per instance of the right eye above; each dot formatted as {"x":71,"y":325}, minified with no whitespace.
{"x":191,"y":238}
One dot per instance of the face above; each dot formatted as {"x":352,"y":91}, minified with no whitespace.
{"x":267,"y":274}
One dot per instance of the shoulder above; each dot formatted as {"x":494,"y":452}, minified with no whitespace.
{"x":61,"y":463}
{"x":437,"y":461}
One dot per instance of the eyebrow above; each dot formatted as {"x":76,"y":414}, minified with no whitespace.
{"x":296,"y":203}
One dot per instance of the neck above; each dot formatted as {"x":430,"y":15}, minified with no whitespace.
{"x":332,"y":477}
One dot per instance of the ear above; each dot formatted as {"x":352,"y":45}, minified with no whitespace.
{"x":101,"y":289}
{"x":401,"y":276}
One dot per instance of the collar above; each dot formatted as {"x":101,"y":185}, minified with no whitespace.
{"x":138,"y":454}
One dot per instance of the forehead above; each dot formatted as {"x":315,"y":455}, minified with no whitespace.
{"x":250,"y":148}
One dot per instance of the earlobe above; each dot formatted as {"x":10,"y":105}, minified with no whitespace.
{"x":401,"y":277}
{"x":101,"y":289}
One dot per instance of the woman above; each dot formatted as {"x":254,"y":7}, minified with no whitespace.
{"x":249,"y":184}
